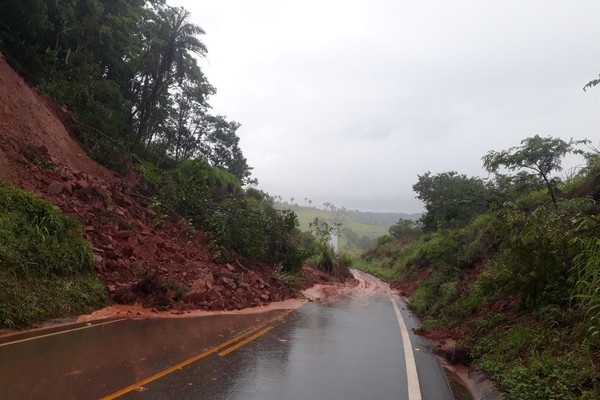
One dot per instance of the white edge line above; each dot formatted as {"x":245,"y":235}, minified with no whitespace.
{"x":60,"y":332}
{"x":412,"y":376}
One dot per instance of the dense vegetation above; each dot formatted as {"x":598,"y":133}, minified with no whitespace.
{"x":44,"y":256}
{"x":128,"y":73}
{"x":511,"y":264}
{"x":241,"y":222}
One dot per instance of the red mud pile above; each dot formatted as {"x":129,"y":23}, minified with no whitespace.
{"x":137,"y":261}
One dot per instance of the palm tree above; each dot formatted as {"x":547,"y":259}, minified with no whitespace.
{"x":170,"y":39}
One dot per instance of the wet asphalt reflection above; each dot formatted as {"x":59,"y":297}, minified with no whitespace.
{"x":348,"y":349}
{"x":94,"y":362}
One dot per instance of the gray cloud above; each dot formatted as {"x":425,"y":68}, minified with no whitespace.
{"x":347,"y":101}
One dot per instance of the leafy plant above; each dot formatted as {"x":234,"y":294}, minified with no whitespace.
{"x":587,"y":288}
{"x":540,"y":155}
{"x":539,"y":248}
{"x":46,"y":266}
{"x":37,"y":239}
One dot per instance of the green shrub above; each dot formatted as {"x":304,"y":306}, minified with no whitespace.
{"x":239,"y":222}
{"x":194,"y":188}
{"x":587,"y":289}
{"x":385,"y":239}
{"x":46,"y":266}
{"x":438,"y":247}
{"x":532,"y":364}
{"x":437,"y":292}
{"x":405,"y":227}
{"x":539,"y":248}
{"x":476,"y":241}
{"x":150,"y":174}
{"x":326,"y":257}
{"x":38,"y":240}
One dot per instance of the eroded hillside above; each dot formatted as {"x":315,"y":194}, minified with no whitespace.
{"x":139,"y":257}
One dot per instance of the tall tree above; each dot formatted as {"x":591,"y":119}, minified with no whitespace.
{"x":80,"y":52}
{"x":541,"y":155}
{"x":220,"y":146}
{"x":186,"y":126}
{"x":127,"y":69}
{"x":451,"y":199}
{"x":169,"y":41}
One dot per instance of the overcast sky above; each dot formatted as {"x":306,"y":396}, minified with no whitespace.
{"x":347,"y":101}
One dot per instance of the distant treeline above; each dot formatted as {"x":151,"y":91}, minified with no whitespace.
{"x":387,"y":218}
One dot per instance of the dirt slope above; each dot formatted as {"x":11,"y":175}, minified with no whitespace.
{"x":138,"y":262}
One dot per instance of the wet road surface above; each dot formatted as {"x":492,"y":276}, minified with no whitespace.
{"x":350,"y":347}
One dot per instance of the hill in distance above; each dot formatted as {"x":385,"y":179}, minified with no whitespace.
{"x":360,"y":229}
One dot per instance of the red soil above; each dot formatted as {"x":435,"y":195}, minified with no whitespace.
{"x":138,"y":262}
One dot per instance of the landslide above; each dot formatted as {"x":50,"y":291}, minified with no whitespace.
{"x":136,"y":260}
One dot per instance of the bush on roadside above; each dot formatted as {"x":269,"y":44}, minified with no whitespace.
{"x":46,"y":265}
{"x":37,"y":239}
{"x":239,"y":222}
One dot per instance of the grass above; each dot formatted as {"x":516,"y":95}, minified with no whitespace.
{"x":307,"y":215}
{"x":379,"y":270}
{"x":46,"y":265}
{"x":362,"y":230}
{"x":535,"y":358}
{"x":26,"y":300}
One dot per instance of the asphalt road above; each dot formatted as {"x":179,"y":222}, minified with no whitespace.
{"x":349,"y":348}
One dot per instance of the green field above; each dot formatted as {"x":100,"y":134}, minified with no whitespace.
{"x":357,"y":233}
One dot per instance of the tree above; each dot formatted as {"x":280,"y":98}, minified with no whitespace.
{"x":79,"y":52}
{"x":219,"y":144}
{"x":127,"y":71}
{"x":187,"y":125}
{"x":169,"y":40}
{"x":326,"y":235}
{"x":540,"y":155}
{"x":451,"y":200}
{"x":404,"y":227}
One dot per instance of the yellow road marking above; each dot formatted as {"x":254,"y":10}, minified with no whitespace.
{"x":193,"y":359}
{"x":60,"y":332}
{"x":174,"y":367}
{"x":245,"y":341}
